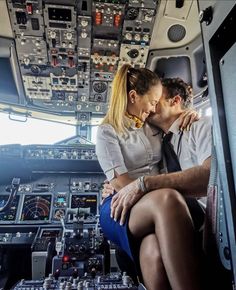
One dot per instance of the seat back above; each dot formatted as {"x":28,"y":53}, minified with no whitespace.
{"x":215,"y":235}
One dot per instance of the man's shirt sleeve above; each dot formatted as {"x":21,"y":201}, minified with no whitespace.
{"x":203,"y":138}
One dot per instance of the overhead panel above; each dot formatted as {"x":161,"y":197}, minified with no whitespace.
{"x":69,"y":51}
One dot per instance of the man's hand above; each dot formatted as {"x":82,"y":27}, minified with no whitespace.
{"x":124,"y":200}
{"x":108,"y":189}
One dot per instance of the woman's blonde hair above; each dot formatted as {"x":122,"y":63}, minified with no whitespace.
{"x":126,"y":79}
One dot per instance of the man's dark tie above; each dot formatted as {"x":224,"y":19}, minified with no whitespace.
{"x":172,"y":164}
{"x":172,"y":161}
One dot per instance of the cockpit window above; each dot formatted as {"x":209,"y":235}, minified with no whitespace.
{"x":33,"y":131}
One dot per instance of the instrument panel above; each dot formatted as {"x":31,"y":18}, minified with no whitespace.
{"x":53,"y":179}
{"x":46,"y":200}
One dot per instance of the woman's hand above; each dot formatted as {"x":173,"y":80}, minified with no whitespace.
{"x":124,"y":200}
{"x":108,"y":189}
{"x":187,"y":118}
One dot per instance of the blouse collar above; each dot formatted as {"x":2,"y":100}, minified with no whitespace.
{"x":133,"y":121}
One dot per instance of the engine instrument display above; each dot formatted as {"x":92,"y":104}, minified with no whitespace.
{"x":87,"y":204}
{"x":10,"y":213}
{"x":36,"y":208}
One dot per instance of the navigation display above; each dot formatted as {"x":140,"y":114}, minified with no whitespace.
{"x":10,"y":213}
{"x":36,"y":208}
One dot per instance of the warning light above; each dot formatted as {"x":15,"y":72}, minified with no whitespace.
{"x":66,"y":259}
{"x":29,"y":8}
{"x":98,"y":18}
{"x":117,"y":20}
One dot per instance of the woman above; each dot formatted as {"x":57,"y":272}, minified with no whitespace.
{"x":127,"y":149}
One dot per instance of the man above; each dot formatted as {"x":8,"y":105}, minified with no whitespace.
{"x":193,"y":148}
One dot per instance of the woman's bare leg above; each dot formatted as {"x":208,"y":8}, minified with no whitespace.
{"x":153,"y":270}
{"x":165,"y":213}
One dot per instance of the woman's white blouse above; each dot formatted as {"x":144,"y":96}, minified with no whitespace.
{"x":136,"y":152}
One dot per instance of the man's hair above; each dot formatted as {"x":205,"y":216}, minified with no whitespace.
{"x":176,"y":86}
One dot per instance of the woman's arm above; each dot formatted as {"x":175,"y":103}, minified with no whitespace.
{"x":188,"y":117}
{"x":120,"y":181}
{"x":115,"y":184}
{"x":110,"y":157}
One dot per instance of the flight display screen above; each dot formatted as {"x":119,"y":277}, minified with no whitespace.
{"x":36,"y":208}
{"x":10,"y":213}
{"x":87,"y":204}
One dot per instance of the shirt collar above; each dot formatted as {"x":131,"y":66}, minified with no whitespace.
{"x":174,"y":128}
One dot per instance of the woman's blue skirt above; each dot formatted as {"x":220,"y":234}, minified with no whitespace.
{"x":112,"y":230}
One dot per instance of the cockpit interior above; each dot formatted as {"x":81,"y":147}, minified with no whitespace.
{"x":58,"y":59}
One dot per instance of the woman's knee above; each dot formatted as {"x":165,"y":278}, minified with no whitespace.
{"x":150,"y":251}
{"x":168,"y":199}
{"x":156,"y":205}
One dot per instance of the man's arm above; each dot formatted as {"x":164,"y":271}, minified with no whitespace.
{"x":192,"y":181}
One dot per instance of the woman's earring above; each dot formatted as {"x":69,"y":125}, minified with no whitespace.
{"x":132,"y":101}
